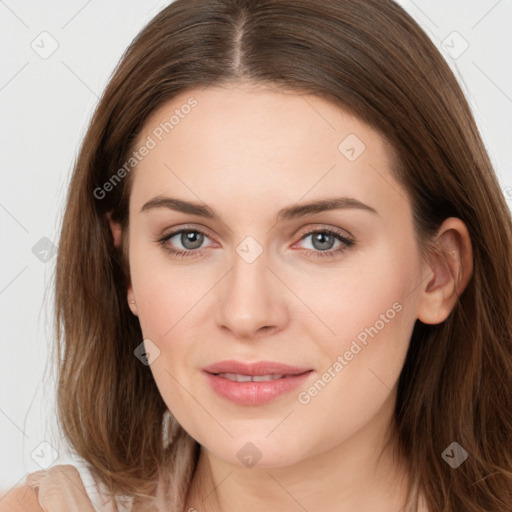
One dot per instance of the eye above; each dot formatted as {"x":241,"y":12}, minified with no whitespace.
{"x":323,"y":240}
{"x":190,"y":239}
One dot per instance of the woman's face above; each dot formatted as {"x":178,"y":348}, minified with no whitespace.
{"x":333,"y":292}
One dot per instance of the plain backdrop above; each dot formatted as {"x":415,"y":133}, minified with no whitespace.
{"x":56,"y":60}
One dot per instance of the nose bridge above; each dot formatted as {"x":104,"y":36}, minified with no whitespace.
{"x":250,"y":299}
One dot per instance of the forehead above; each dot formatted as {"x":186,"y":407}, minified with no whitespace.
{"x":255,"y":142}
{"x":256,"y":113}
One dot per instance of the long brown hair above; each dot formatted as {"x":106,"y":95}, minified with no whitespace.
{"x":373,"y":60}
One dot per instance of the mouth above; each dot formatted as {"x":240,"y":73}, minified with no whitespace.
{"x":238,"y":377}
{"x":254,"y":383}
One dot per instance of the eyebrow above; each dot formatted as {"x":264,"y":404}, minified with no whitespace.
{"x":288,"y":213}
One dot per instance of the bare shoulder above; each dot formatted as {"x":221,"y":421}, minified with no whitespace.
{"x":19,"y":499}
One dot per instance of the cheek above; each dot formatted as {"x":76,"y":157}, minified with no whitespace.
{"x":360,"y":373}
{"x":364,"y":298}
{"x":166,"y":292}
{"x":372,"y":317}
{"x":362,"y":363}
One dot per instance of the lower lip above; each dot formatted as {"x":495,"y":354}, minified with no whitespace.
{"x":254,"y":393}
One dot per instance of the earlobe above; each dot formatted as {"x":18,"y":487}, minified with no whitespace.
{"x":131,"y":301}
{"x":447,"y":272}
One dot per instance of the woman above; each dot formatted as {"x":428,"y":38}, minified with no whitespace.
{"x":284,"y":273}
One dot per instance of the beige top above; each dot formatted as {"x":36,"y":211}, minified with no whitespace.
{"x":70,"y":488}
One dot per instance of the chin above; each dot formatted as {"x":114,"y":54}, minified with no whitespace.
{"x":252,"y":451}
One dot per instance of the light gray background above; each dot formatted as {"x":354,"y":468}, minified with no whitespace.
{"x":46,"y":104}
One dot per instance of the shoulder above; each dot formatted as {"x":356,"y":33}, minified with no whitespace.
{"x":54,"y":489}
{"x":20,"y":499}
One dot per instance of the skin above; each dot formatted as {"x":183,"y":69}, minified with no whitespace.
{"x":248,"y":151}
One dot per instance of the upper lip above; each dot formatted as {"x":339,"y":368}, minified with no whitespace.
{"x":256,"y":368}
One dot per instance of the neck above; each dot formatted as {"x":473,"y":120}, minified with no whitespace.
{"x":361,"y":474}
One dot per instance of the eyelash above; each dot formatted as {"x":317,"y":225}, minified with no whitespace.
{"x":331,"y":253}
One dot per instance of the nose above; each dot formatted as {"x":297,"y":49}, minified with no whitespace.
{"x":252,"y":300}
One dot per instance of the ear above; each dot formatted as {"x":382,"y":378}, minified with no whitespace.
{"x":116,"y":229}
{"x":447,"y":272}
{"x":117,"y":232}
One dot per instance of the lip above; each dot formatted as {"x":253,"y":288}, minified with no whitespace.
{"x":254,"y":393}
{"x":257,"y":368}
